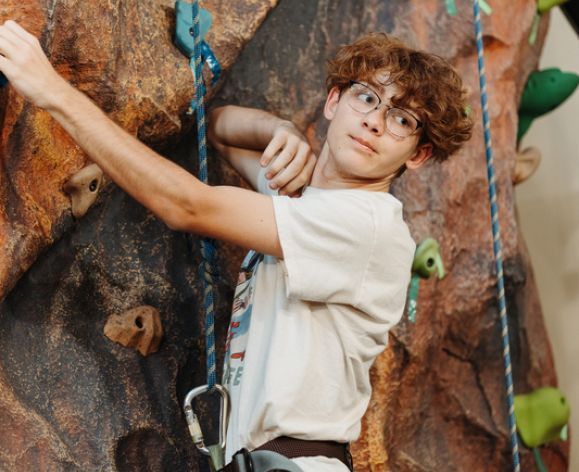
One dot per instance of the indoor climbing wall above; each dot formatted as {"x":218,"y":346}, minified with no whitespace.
{"x":102,"y":315}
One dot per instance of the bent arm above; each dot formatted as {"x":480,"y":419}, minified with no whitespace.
{"x":240,"y":135}
{"x":250,"y":139}
{"x":239,"y":127}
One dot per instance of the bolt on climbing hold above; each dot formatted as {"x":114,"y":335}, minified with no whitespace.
{"x":83,"y":188}
{"x":139,"y":328}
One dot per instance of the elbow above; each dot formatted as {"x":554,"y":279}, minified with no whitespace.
{"x":212,"y":127}
{"x":179,"y":216}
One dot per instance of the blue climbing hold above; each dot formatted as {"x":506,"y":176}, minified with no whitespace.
{"x":183,"y":31}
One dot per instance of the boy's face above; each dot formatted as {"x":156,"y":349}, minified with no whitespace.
{"x":362,"y":147}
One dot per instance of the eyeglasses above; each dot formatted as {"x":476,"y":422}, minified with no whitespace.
{"x":399,"y":122}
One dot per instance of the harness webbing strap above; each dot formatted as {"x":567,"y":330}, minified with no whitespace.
{"x":497,"y":241}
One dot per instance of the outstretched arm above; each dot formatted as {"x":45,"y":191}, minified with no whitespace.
{"x":184,"y":203}
{"x":250,"y":139}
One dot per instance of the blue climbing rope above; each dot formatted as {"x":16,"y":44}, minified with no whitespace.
{"x":497,"y":241}
{"x":207,"y":245}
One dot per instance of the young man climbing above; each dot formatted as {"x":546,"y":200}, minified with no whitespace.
{"x":327,"y":273}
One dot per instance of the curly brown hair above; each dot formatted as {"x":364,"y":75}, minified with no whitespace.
{"x":428,"y":85}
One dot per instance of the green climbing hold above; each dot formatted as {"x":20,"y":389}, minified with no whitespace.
{"x":544,"y":91}
{"x":541,"y":416}
{"x":546,"y":5}
{"x":451,"y":7}
{"x":183,"y":34}
{"x":427,"y":259}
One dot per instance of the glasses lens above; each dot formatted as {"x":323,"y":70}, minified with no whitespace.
{"x":400,"y":122}
{"x":362,"y":99}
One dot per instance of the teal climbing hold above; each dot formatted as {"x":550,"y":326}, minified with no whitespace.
{"x":545,"y":90}
{"x":485,"y":7}
{"x":541,"y":416}
{"x":184,"y":19}
{"x":413,"y":297}
{"x":451,"y":7}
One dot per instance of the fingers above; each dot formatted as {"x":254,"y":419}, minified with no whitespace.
{"x":288,"y":165}
{"x":272,"y":149}
{"x":290,"y":160}
{"x":293,"y":153}
{"x":7,"y":46}
{"x":295,"y":186}
{"x":19,"y":31}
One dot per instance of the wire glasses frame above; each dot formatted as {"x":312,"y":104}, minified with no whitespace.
{"x":399,"y":122}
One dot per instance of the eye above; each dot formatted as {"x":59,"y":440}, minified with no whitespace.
{"x":367,"y":98}
{"x":403,"y":119}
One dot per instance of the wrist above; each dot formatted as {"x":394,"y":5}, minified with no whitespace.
{"x":61,"y":96}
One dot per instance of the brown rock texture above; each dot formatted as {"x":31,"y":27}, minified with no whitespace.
{"x":72,"y":400}
{"x":121,"y":54}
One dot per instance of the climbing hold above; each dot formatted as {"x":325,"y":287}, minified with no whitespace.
{"x":526,"y":163}
{"x":451,"y":7}
{"x":427,"y":259}
{"x":542,"y":7}
{"x":185,"y":41}
{"x":83,"y":188}
{"x":485,"y":7}
{"x":544,"y":91}
{"x":413,"y":297}
{"x":139,"y":328}
{"x":546,"y":5}
{"x":426,"y":262}
{"x":183,"y":29}
{"x":541,"y":416}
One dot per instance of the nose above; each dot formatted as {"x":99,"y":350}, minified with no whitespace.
{"x":375,"y":121}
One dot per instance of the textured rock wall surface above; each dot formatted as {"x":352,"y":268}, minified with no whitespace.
{"x":71,"y":399}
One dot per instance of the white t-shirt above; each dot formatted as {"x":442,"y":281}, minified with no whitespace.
{"x":305,"y":330}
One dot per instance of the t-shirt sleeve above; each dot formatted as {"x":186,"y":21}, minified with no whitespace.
{"x":340,"y":247}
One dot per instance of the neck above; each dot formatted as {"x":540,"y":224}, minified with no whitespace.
{"x":328,"y":175}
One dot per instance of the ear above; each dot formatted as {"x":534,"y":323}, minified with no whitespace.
{"x":422,"y":154}
{"x":332,"y":103}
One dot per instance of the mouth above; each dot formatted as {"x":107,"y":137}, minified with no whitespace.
{"x":365,"y":145}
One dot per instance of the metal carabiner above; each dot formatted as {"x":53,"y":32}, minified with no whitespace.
{"x":193,"y":421}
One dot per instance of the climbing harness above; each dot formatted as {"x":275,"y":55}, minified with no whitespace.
{"x":427,"y":262}
{"x":260,"y":461}
{"x":496,"y":240}
{"x":215,"y":452}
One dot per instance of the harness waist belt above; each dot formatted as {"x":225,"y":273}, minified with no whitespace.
{"x":292,"y":448}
